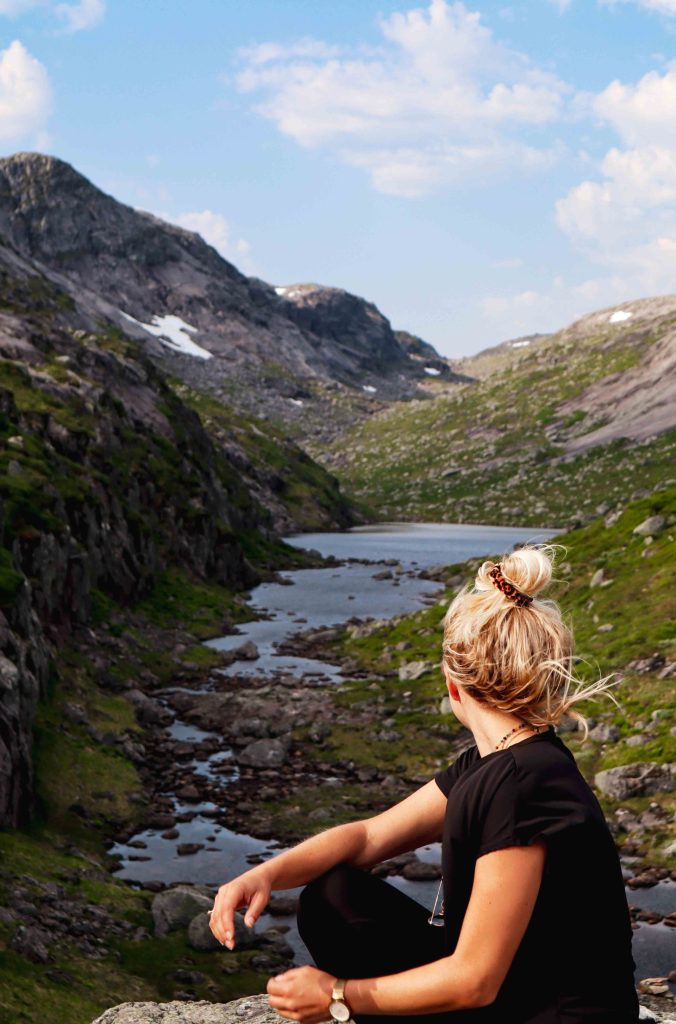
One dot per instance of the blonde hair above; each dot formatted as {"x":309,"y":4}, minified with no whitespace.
{"x":517,"y":658}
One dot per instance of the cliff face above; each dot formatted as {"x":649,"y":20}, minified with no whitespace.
{"x":106,"y":477}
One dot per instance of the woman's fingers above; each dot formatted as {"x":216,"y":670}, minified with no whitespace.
{"x":222,"y":920}
{"x":257,"y":905}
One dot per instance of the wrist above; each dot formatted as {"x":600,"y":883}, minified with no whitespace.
{"x":339,"y":1008}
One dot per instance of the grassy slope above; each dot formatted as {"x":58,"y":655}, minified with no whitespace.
{"x":639,"y":602}
{"x":497,"y":441}
{"x":310,"y":495}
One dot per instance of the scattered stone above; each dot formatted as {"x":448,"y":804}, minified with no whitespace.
{"x":186,"y":849}
{"x":175,"y":908}
{"x":598,"y":578}
{"x":189,"y":793}
{"x":650,"y":527}
{"x":412,"y":670}
{"x":640,"y":779}
{"x":421,"y":871}
{"x":31,"y":942}
{"x":200,"y":935}
{"x":604,"y":733}
{"x":264,"y":753}
{"x":282,"y":906}
{"x":75,"y":713}
{"x":246,"y":651}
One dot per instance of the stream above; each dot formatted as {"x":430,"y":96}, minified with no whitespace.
{"x":312,"y":598}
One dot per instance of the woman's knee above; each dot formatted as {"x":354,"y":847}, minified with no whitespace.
{"x":330,"y":889}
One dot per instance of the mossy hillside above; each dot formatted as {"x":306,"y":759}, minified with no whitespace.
{"x":494,"y":450}
{"x":639,"y":603}
{"x":310,"y":495}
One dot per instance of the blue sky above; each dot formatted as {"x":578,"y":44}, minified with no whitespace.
{"x":479,"y":170}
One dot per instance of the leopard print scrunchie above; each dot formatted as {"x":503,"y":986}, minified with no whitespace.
{"x":507,"y":588}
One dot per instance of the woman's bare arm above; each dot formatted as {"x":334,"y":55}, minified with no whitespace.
{"x":412,"y":822}
{"x":506,"y":884}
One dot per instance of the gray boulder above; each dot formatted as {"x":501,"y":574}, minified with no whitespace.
{"x":248,"y":1010}
{"x":604,"y":733}
{"x":264,"y":753}
{"x":640,"y":779}
{"x":175,"y":908}
{"x":412,"y":670}
{"x":252,"y":1010}
{"x":650,"y":527}
{"x":200,"y":935}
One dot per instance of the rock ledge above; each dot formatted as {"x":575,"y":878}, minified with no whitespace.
{"x":255,"y":1010}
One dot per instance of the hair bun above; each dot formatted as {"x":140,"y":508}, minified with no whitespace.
{"x":529,"y":568}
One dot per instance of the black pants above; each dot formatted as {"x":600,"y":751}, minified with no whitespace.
{"x":357,"y":925}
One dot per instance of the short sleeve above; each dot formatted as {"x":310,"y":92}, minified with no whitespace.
{"x":447,"y":777}
{"x":518,"y":809}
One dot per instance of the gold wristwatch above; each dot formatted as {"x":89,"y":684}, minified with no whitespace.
{"x":338,"y":1008}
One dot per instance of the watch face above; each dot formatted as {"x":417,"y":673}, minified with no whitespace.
{"x":339,"y":1011}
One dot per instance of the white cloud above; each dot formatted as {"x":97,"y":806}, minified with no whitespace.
{"x":25,"y":94}
{"x":437,"y":100}
{"x":661,"y":6}
{"x":644,"y":113}
{"x":214,"y":229}
{"x":81,"y":15}
{"x":14,"y":7}
{"x":627,"y":219}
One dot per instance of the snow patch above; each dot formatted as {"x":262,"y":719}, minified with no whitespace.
{"x":520,"y":344}
{"x":369,"y":388}
{"x":619,"y":316}
{"x":172,"y":332}
{"x":288,"y":293}
{"x":432,"y":371}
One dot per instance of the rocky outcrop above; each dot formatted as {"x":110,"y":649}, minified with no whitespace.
{"x":249,"y":1010}
{"x":252,"y":1010}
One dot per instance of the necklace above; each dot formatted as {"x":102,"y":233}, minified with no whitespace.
{"x":524,"y":725}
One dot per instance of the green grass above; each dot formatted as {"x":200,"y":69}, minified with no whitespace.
{"x":310,"y":494}
{"x":505,"y":434}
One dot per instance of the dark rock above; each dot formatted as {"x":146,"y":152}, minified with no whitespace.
{"x":32,"y":942}
{"x":282,"y":906}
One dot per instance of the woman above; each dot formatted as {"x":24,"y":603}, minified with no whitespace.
{"x":536,"y":927}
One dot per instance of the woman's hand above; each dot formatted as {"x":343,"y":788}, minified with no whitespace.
{"x":302,"y":993}
{"x":252,"y":890}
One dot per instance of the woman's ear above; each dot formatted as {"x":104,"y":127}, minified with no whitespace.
{"x":453,"y":691}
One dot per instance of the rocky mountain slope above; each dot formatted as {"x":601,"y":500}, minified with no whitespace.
{"x":107,"y":477}
{"x":551,"y":430}
{"x":219,"y":329}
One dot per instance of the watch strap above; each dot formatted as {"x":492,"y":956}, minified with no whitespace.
{"x":339,"y":989}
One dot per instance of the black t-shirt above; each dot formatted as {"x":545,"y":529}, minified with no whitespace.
{"x":574,"y":964}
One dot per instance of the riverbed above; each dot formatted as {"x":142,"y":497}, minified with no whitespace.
{"x":331,"y":596}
